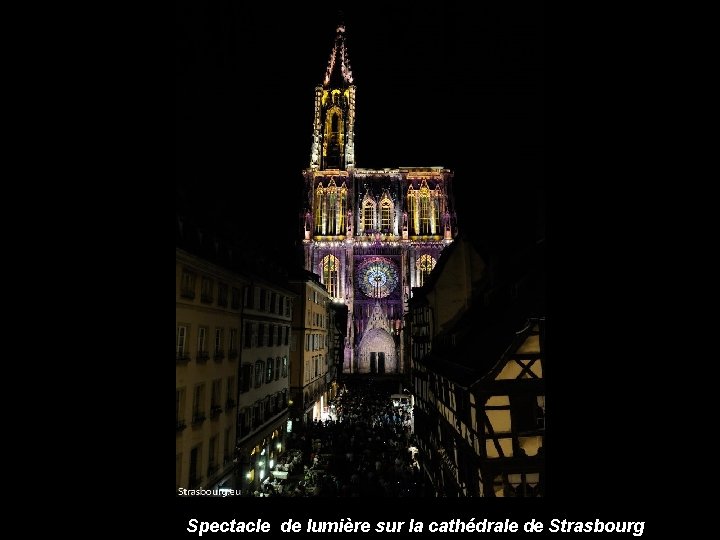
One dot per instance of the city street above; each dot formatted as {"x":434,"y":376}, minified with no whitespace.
{"x":362,"y":449}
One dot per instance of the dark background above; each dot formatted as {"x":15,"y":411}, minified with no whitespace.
{"x":460,"y":87}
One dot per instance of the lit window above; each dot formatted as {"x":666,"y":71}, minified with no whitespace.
{"x":330,"y":272}
{"x":425,"y":213}
{"x":425,"y":264}
{"x":331,"y":209}
{"x":319,"y":208}
{"x":368,"y":215}
{"x":386,"y":215}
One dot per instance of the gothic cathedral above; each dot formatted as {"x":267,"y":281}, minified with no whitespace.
{"x":371,"y":235}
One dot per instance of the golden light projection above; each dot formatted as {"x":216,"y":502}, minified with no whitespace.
{"x":386,"y":213}
{"x":334,"y":130}
{"x":331,"y":277}
{"x":317,"y":208}
{"x":330,"y":208}
{"x":425,"y":264}
{"x":368,"y":214}
{"x":424,"y":209}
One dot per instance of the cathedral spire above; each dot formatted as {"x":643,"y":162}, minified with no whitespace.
{"x":338,"y":69}
{"x":333,"y":145}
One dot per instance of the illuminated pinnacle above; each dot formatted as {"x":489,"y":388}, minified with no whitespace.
{"x":340,"y":48}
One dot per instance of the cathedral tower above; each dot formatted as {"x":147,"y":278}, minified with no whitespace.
{"x":333,"y":146}
{"x":371,"y":235}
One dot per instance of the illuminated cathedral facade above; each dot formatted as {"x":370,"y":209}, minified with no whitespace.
{"x":371,"y":235}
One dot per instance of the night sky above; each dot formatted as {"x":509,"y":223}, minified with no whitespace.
{"x":436,"y":85}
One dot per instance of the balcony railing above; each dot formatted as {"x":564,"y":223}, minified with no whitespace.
{"x":229,"y":404}
{"x":181,"y":357}
{"x":219,"y":355}
{"x":180,"y":426}
{"x":215,"y":411}
{"x":232,"y":354}
{"x":198,"y":418}
{"x":202,"y":357}
{"x":227,"y":459}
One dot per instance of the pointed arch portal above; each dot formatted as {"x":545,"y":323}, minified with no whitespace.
{"x":377,"y":352}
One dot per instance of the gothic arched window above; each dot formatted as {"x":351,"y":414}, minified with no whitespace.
{"x":412,"y":211}
{"x":331,"y":275}
{"x":333,"y":144}
{"x":423,"y":208}
{"x":368,"y":215}
{"x":318,"y":208}
{"x":425,"y":264}
{"x":332,"y":208}
{"x":386,"y":211}
{"x":425,"y":211}
{"x":342,"y":209}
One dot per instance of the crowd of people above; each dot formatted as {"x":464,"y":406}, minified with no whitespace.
{"x":363,"y":449}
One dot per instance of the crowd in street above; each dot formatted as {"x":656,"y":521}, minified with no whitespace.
{"x":363,"y":449}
